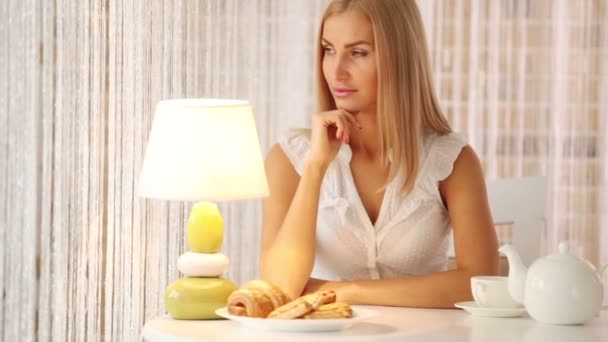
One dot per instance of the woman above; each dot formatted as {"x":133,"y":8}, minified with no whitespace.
{"x":363,"y":202}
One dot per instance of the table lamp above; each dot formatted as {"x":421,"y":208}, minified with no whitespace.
{"x":202,"y":150}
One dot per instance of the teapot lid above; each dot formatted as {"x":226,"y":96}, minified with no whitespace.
{"x":563,"y":255}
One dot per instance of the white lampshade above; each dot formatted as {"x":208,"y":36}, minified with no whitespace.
{"x":203,"y":149}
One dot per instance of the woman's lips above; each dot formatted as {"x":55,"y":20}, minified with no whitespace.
{"x":343,"y":92}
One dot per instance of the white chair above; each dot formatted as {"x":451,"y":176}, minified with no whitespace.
{"x":521,"y":203}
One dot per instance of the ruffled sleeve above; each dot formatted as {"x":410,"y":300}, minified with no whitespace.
{"x":443,"y":152}
{"x":296,"y":145}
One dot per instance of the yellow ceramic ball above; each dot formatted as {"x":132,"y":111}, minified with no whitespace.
{"x":205,"y":228}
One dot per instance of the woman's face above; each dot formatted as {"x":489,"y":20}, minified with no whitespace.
{"x":349,"y":61}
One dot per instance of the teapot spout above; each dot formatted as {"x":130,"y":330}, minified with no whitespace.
{"x":517,"y":272}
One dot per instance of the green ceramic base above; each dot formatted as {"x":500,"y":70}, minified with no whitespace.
{"x":197,"y":298}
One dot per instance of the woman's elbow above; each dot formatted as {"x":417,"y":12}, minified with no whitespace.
{"x":484,"y":270}
{"x":280,"y":277}
{"x":489,"y":267}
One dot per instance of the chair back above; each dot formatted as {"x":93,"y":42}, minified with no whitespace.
{"x":521,"y":203}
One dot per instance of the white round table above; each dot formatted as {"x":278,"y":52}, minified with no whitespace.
{"x":393,"y":324}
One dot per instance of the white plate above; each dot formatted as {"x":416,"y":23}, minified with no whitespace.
{"x":476,"y":310}
{"x":300,"y":325}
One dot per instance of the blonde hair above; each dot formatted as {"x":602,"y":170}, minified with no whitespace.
{"x":406,"y":104}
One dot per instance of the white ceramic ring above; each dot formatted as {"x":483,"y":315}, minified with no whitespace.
{"x":202,"y":264}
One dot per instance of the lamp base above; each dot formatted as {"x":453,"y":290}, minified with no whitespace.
{"x":197,"y":298}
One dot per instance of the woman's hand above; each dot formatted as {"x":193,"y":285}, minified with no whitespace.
{"x":340,"y":288}
{"x":329,"y":130}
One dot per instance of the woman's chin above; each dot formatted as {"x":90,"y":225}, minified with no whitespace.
{"x":347,"y":106}
{"x":352,"y":106}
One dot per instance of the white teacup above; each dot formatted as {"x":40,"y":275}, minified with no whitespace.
{"x":492,"y":292}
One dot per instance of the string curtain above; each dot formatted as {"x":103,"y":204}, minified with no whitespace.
{"x":84,"y":258}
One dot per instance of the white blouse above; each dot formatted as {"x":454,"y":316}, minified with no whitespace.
{"x":410,"y":236}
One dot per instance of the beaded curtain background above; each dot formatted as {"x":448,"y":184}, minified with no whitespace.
{"x":83,"y":258}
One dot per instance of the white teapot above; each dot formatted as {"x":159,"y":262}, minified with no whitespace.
{"x":560,"y":288}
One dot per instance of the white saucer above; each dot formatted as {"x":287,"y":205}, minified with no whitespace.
{"x":476,"y":310}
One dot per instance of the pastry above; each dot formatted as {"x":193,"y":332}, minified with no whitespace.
{"x":333,"y":310}
{"x":275,"y":294}
{"x":261,"y":299}
{"x":319,"y":298}
{"x":250,"y":303}
{"x":291,"y":310}
{"x":303,"y":305}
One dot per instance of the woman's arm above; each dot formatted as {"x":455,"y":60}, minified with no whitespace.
{"x":464,"y":194}
{"x":289,"y":224}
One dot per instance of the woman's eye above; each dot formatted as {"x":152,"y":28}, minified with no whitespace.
{"x":359,"y":53}
{"x":327,"y":50}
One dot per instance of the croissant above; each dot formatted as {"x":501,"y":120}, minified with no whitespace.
{"x":261,"y":299}
{"x":250,"y":303}
{"x":275,"y":294}
{"x":256,"y":298}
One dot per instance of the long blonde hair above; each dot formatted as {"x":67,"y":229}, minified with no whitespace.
{"x":406,"y":105}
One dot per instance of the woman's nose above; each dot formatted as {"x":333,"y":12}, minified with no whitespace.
{"x":341,"y":69}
